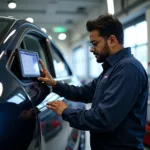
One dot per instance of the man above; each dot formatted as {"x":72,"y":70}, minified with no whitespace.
{"x":117,"y":118}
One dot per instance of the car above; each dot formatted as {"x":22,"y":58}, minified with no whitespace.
{"x":146,"y":140}
{"x":25,"y":122}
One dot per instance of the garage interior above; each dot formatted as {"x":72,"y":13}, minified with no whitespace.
{"x":64,"y":21}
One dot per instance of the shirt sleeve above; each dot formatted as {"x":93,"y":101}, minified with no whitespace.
{"x":122,"y":92}
{"x":83,"y":93}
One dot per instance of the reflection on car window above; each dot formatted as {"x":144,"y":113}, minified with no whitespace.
{"x":33,"y":44}
{"x":5,"y":24}
{"x":61,"y":69}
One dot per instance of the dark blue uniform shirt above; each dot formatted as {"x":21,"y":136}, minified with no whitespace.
{"x":117,"y":118}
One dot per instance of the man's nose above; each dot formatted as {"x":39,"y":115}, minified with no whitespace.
{"x":91,"y":49}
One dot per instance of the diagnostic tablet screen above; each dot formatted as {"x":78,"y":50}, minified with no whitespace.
{"x":29,"y":64}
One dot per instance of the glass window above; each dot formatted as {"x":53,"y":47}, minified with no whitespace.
{"x":95,"y":68}
{"x":141,"y":33}
{"x":33,"y":44}
{"x":79,"y":61}
{"x":129,"y":37}
{"x":80,"y":69}
{"x":133,"y":51}
{"x":135,"y":37}
{"x":5,"y":25}
{"x":141,"y":55}
{"x":60,"y":67}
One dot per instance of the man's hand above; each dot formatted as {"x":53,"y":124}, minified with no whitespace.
{"x":57,"y":106}
{"x":45,"y":76}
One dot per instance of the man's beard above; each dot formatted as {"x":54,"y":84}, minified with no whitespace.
{"x":102,"y":57}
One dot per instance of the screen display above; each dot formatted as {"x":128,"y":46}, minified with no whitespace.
{"x":29,"y":64}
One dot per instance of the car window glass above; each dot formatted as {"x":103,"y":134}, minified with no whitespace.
{"x":4,"y":26}
{"x":60,"y":67}
{"x":22,"y":46}
{"x":33,"y":44}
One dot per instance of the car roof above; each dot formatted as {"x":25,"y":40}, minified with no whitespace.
{"x":13,"y":23}
{"x":9,"y":18}
{"x":19,"y":22}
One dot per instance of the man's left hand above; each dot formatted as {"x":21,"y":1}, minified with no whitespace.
{"x":57,"y":106}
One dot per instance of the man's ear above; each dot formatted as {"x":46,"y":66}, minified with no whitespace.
{"x":112,"y":41}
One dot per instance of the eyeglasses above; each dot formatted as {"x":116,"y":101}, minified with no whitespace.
{"x":94,"y":44}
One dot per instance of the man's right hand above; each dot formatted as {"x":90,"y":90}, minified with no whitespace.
{"x":45,"y":76}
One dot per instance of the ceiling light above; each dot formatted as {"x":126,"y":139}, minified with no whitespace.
{"x":110,"y":6}
{"x":50,"y":37}
{"x":60,"y":29}
{"x":30,"y":19}
{"x":62,"y":36}
{"x":44,"y":30}
{"x":12,"y":5}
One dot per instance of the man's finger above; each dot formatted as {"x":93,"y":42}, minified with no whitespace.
{"x":42,"y":79}
{"x":43,"y":66}
{"x":55,"y":101}
{"x":55,"y":104}
{"x":42,"y":73}
{"x":51,"y":107}
{"x":49,"y":103}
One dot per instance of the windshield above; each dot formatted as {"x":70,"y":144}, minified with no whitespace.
{"x":5,"y":24}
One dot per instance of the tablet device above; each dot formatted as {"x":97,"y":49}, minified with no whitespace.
{"x":29,"y":63}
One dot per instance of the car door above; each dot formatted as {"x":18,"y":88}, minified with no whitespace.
{"x":37,"y":43}
{"x":18,"y":114}
{"x":24,"y":93}
{"x":52,"y":127}
{"x":63,"y":73}
{"x":49,"y":127}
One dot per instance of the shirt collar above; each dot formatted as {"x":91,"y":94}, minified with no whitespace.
{"x":118,"y":55}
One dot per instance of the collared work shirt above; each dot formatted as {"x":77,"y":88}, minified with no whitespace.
{"x":119,"y":97}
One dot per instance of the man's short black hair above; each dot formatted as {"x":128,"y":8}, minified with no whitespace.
{"x":107,"y":25}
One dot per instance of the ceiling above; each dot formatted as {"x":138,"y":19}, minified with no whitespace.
{"x":51,"y":13}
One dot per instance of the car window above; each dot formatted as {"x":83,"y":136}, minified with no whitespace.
{"x":5,"y":24}
{"x":61,"y":69}
{"x":32,"y":43}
